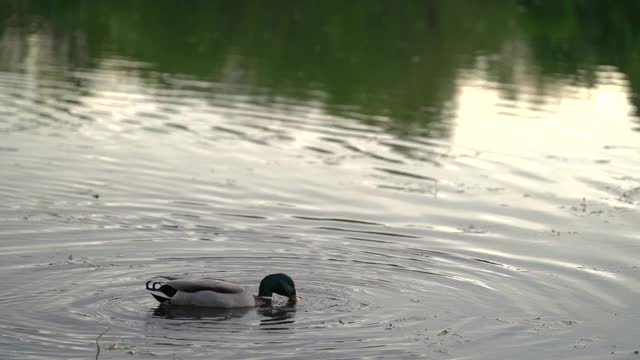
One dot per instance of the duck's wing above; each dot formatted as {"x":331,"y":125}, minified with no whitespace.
{"x":202,"y":284}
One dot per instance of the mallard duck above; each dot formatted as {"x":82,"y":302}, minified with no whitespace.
{"x":216,"y":293}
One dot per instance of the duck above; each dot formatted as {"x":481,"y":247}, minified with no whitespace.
{"x":216,"y":293}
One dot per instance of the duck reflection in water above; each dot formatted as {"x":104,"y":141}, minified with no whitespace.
{"x":277,"y":317}
{"x":274,"y":315}
{"x":199,"y":313}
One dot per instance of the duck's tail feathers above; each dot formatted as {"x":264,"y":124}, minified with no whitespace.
{"x":160,"y":298}
{"x":161,"y":292}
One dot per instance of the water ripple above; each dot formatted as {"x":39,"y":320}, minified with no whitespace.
{"x":401,"y":246}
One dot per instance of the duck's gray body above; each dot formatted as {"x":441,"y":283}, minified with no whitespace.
{"x":203,"y":292}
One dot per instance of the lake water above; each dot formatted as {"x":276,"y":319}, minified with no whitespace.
{"x":449,"y":180}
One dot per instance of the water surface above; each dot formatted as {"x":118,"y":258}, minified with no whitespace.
{"x":449,"y":180}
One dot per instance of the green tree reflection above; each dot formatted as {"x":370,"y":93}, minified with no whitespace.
{"x":361,"y":58}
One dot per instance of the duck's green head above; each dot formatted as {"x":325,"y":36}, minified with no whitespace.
{"x":280,"y":284}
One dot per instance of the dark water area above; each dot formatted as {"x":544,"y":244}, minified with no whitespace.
{"x":442,"y":179}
